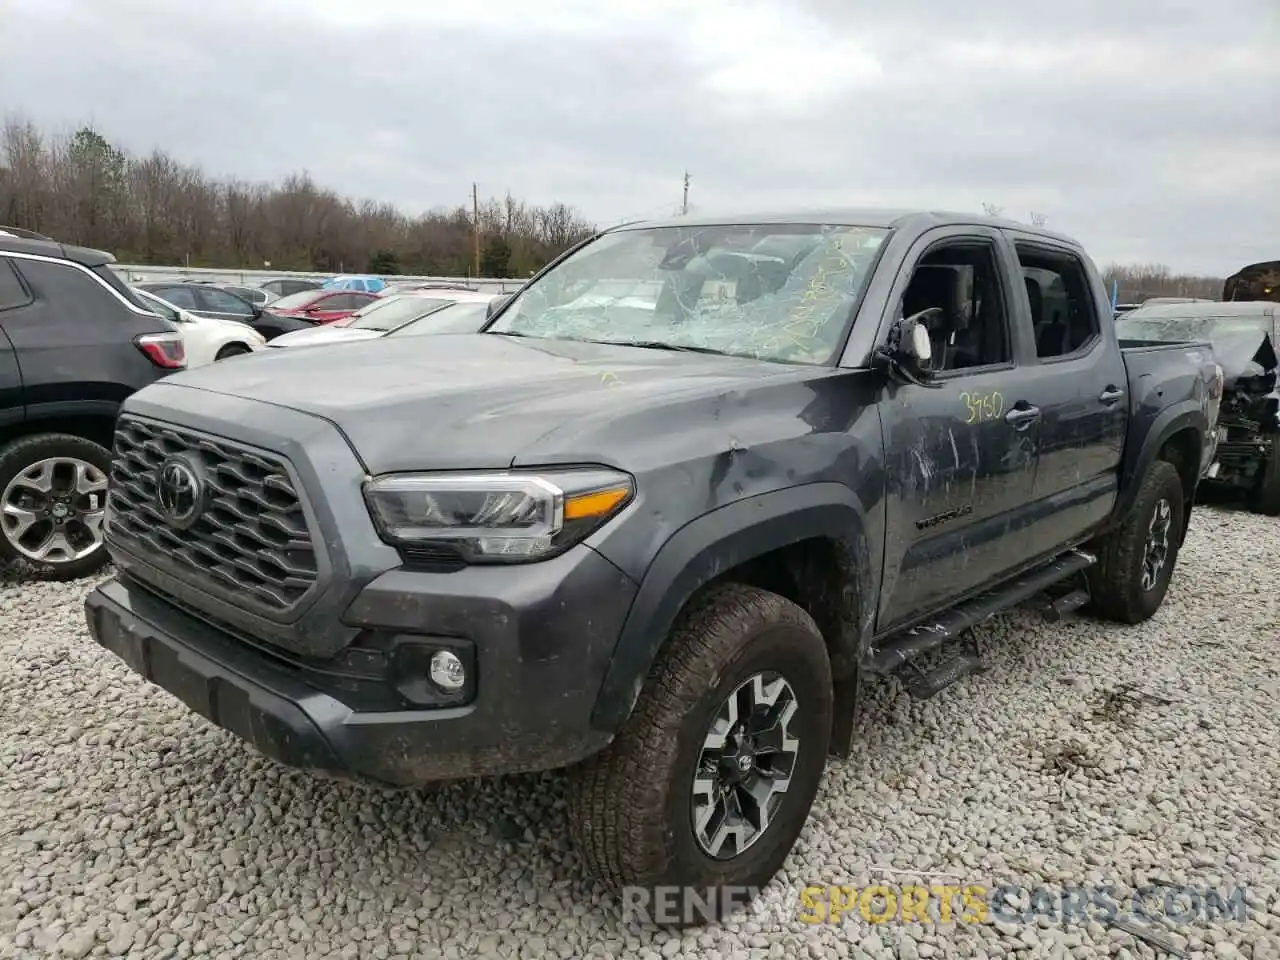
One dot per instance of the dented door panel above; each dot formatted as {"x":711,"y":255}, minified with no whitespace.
{"x":960,"y":477}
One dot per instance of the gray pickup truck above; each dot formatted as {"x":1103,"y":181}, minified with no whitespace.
{"x":658,"y":521}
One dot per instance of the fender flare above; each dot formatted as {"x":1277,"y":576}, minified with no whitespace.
{"x":705,"y":548}
{"x":1178,"y":417}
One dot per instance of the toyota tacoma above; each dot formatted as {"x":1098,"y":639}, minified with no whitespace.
{"x":659,"y":520}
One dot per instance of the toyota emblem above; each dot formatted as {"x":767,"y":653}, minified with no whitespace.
{"x":179,"y":491}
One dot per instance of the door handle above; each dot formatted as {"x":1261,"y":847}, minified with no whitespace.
{"x":1111,"y":395}
{"x":1022,"y":416}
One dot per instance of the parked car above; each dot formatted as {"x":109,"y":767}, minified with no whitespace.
{"x":1245,"y":336}
{"x":286,"y":286}
{"x":1257,"y":281}
{"x":203,"y":300}
{"x":661,"y":543}
{"x":449,"y":311}
{"x":205,"y":338}
{"x":301,"y":311}
{"x":74,"y":342}
{"x":419,"y":286}
{"x":21,"y":234}
{"x":365,"y":284}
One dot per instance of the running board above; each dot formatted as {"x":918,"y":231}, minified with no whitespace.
{"x":1066,"y":604}
{"x":922,"y":686}
{"x":905,"y":647}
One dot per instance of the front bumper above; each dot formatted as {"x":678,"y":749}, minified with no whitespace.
{"x":539,"y":639}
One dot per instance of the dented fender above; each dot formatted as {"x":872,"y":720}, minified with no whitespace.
{"x":719,"y":541}
{"x":1185,"y":415}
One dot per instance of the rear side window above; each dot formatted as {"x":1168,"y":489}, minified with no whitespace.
{"x":12,"y":292}
{"x":77,"y":296}
{"x":1063,"y":311}
{"x":183,"y":297}
{"x":112,"y":279}
{"x":224,"y":302}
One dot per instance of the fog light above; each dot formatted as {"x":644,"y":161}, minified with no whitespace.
{"x":447,"y":671}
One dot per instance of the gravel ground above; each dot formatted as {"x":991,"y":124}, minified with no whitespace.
{"x":1088,"y":754}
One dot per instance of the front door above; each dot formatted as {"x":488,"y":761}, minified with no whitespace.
{"x":961,"y":453}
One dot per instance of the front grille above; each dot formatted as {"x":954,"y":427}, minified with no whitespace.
{"x":250,"y":537}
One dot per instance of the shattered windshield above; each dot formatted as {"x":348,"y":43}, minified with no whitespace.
{"x":780,"y":292}
{"x":1134,"y":326}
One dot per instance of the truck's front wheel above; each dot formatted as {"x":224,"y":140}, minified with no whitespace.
{"x":704,"y":791}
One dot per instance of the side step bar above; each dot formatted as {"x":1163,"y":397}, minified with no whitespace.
{"x":902,"y":648}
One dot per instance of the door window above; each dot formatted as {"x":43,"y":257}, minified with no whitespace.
{"x":1063,"y":311}
{"x":223,"y":302}
{"x":182,"y":297}
{"x":963,"y":281}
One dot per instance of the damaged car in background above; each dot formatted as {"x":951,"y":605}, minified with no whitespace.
{"x":1244,"y":336}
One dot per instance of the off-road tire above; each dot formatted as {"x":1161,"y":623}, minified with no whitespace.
{"x":21,"y":454}
{"x":232,"y":350}
{"x":1265,"y":498}
{"x":631,"y":805}
{"x":1115,"y":582}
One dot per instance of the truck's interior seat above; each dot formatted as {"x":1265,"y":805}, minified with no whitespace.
{"x":934,"y":286}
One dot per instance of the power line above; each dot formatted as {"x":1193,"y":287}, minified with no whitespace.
{"x":475,"y":222}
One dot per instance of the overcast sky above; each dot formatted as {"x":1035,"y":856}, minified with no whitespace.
{"x":1150,"y":129}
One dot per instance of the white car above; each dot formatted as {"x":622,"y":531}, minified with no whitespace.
{"x":205,"y":338}
{"x":430,"y":311}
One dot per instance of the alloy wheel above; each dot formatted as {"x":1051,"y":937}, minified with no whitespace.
{"x":745,"y":766}
{"x":52,"y":511}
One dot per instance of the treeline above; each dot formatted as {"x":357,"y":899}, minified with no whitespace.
{"x":151,"y":209}
{"x":1137,"y":283}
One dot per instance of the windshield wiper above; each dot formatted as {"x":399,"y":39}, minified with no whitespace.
{"x":658,"y":345}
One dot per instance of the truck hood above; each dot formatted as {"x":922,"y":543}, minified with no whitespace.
{"x":485,"y":401}
{"x":329,"y":333}
{"x":1244,"y":354}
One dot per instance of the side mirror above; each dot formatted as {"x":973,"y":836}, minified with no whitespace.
{"x":496,"y":304}
{"x":909,"y":351}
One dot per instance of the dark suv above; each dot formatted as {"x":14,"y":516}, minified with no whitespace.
{"x":74,"y":342}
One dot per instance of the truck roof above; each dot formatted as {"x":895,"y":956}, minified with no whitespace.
{"x":59,"y":251}
{"x":877,"y":217}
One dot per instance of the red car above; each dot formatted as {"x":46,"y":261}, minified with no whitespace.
{"x":321,"y":306}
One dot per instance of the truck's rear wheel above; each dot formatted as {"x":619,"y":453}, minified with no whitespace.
{"x":705,"y":789}
{"x":1266,"y":497}
{"x":1136,"y":561}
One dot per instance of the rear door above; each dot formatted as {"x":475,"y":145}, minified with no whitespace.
{"x":1080,"y":389}
{"x":14,"y":298}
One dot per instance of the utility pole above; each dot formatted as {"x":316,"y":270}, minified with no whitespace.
{"x":684,"y":204}
{"x":475,"y":229}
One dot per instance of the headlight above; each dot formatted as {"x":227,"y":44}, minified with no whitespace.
{"x":497,"y":517}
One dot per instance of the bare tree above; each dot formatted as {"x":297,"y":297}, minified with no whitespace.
{"x":1138,"y":282}
{"x":992,"y":210}
{"x":152,"y":209}
{"x":1038,"y":219}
